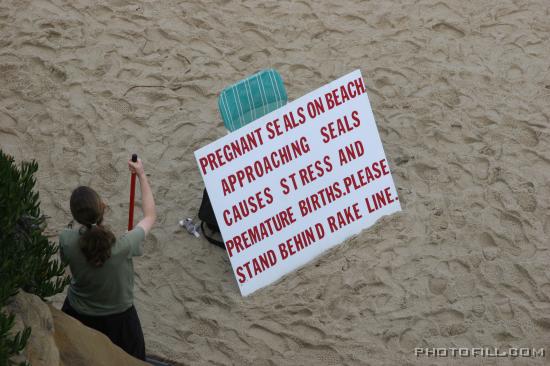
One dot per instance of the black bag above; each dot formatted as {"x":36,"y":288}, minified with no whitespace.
{"x":207,"y":216}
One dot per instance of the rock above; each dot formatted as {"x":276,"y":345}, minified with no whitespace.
{"x":60,"y":340}
{"x":31,"y":311}
{"x":80,"y":345}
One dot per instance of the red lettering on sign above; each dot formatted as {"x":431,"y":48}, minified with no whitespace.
{"x":379,"y":199}
{"x":351,"y":152}
{"x":231,"y":151}
{"x":339,"y":127}
{"x":307,"y":174}
{"x":344,"y":217}
{"x":366,"y":175}
{"x":340,"y":95}
{"x":301,"y":241}
{"x":261,"y":231}
{"x":259,"y":264}
{"x":273,"y":129}
{"x":265,"y":165}
{"x":247,"y":207}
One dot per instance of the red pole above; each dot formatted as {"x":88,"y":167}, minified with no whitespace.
{"x":132,"y":195}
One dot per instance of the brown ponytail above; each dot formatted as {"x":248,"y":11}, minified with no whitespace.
{"x":96,"y":239}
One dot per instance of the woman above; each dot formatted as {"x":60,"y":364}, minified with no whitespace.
{"x":101,"y":291}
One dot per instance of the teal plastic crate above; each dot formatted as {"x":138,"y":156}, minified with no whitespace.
{"x":252,"y":98}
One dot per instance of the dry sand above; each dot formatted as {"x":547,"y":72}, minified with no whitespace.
{"x":461,"y":94}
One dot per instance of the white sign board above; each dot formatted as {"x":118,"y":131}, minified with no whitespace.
{"x":298,"y":181}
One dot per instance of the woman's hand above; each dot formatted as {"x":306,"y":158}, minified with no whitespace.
{"x":136,"y":168}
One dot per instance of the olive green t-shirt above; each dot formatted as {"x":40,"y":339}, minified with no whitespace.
{"x":102,"y":290}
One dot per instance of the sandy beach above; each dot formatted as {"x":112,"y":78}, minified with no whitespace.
{"x":461,"y":94}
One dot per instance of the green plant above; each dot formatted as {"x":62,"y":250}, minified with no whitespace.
{"x":26,"y":256}
{"x":11,"y":345}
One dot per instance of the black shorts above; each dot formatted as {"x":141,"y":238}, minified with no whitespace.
{"x":123,"y":329}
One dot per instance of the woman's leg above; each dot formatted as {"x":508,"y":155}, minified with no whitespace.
{"x":131,"y":335}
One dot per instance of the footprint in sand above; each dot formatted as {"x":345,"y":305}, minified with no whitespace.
{"x":526,"y":198}
{"x":76,"y":139}
{"x":526,"y":136}
{"x":489,"y":248}
{"x":270,"y":338}
{"x":426,"y":172}
{"x":448,"y":30}
{"x":515,"y":72}
{"x":310,"y":333}
{"x":437,"y":285}
{"x":9,"y":76}
{"x":449,"y":321}
{"x":203,"y":328}
{"x":324,"y":356}
{"x":491,"y":272}
{"x":478,"y":308}
{"x":120,"y":106}
{"x":108,"y":173}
